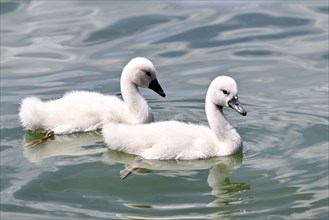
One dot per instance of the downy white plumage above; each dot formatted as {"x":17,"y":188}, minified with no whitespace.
{"x":167,"y":140}
{"x":82,"y":111}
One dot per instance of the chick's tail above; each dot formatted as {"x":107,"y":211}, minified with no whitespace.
{"x":30,"y":113}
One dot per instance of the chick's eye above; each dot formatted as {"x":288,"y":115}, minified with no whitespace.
{"x":148,"y":73}
{"x":225,"y":92}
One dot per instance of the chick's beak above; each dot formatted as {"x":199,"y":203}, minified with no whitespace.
{"x":155,"y":86}
{"x":235,"y":104}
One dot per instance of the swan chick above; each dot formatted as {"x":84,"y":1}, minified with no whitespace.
{"x":165,"y":140}
{"x":83,"y":111}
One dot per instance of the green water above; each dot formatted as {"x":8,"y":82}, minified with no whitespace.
{"x":276,"y":50}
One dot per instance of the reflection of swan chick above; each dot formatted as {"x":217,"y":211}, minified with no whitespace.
{"x":177,"y":140}
{"x":64,"y":145}
{"x":224,"y":165}
{"x":82,"y":111}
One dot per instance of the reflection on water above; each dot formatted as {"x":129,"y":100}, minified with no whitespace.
{"x":220,"y":169}
{"x":225,"y":191}
{"x":69,"y":145}
{"x":232,"y":162}
{"x":277,"y":52}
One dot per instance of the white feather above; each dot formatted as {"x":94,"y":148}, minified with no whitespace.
{"x":82,"y":111}
{"x":182,"y":141}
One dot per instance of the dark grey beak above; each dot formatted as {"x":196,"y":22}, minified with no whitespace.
{"x":235,"y":104}
{"x":155,"y":86}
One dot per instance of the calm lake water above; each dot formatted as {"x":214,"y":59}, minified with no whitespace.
{"x":276,"y":50}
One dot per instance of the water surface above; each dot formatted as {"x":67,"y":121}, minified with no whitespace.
{"x":276,"y":50}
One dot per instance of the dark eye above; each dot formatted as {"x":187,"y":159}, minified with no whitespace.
{"x":225,"y":92}
{"x":148,"y":73}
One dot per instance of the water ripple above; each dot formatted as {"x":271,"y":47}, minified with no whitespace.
{"x":276,"y":51}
